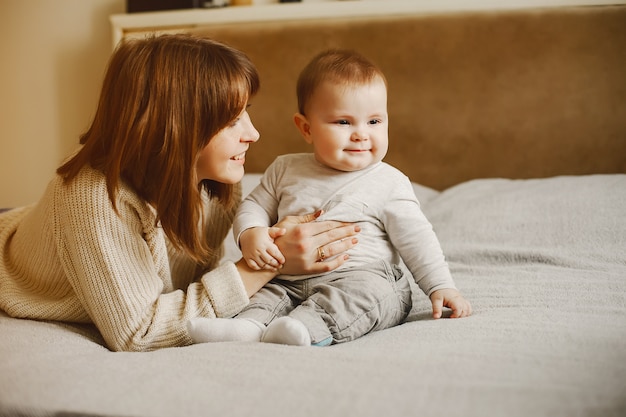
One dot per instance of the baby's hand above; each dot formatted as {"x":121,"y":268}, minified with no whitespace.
{"x":452,"y":299}
{"x":258,"y":248}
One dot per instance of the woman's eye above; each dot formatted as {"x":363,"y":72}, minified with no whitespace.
{"x":238,"y":118}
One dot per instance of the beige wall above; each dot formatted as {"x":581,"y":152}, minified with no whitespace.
{"x":53,"y":57}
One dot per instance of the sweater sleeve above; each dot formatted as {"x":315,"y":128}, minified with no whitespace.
{"x":117,"y":264}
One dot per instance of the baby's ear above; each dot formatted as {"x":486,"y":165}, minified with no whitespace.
{"x":303,"y":126}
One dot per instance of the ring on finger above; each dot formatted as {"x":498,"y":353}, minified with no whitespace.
{"x":320,"y":253}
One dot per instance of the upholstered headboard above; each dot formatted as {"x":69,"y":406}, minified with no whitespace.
{"x":514,"y":93}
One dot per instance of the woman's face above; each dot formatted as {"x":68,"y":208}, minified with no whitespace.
{"x":223,"y":158}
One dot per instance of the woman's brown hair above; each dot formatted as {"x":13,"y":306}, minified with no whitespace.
{"x":163,"y":98}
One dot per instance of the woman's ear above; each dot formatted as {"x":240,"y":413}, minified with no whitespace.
{"x":303,"y":126}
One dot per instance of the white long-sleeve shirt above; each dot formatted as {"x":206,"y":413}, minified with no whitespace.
{"x":379,"y":198}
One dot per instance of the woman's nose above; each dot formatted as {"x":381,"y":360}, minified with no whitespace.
{"x":252,"y":135}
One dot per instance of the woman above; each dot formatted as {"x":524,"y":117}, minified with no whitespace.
{"x":128,"y":235}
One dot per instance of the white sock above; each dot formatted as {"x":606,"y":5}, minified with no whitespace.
{"x":287,"y":331}
{"x":204,"y":330}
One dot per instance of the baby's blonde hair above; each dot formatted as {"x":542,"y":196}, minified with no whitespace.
{"x":336,"y":65}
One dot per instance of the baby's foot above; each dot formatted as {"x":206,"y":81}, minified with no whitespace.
{"x":287,"y":331}
{"x":204,"y":330}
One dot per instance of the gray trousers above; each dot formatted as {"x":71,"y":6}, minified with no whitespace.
{"x":338,"y":306}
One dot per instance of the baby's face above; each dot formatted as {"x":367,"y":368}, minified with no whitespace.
{"x":349,"y":124}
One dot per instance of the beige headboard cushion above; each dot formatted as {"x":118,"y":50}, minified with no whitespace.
{"x":516,"y":94}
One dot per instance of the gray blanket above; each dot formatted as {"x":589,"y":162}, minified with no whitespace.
{"x":542,"y":261}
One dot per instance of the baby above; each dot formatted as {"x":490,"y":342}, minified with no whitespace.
{"x":342,"y":113}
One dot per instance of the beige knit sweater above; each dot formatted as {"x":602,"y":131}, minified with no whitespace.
{"x":72,"y":258}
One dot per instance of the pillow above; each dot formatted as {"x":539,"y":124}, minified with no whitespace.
{"x":572,"y":221}
{"x":248,"y":182}
{"x":424,"y":194}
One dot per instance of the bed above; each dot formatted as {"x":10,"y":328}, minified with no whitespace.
{"x":512,"y":126}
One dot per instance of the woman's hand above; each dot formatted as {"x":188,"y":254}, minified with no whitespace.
{"x":314,"y":247}
{"x":253,"y":280}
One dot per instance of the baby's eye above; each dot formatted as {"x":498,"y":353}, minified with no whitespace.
{"x":343,"y":122}
{"x":375,"y":121}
